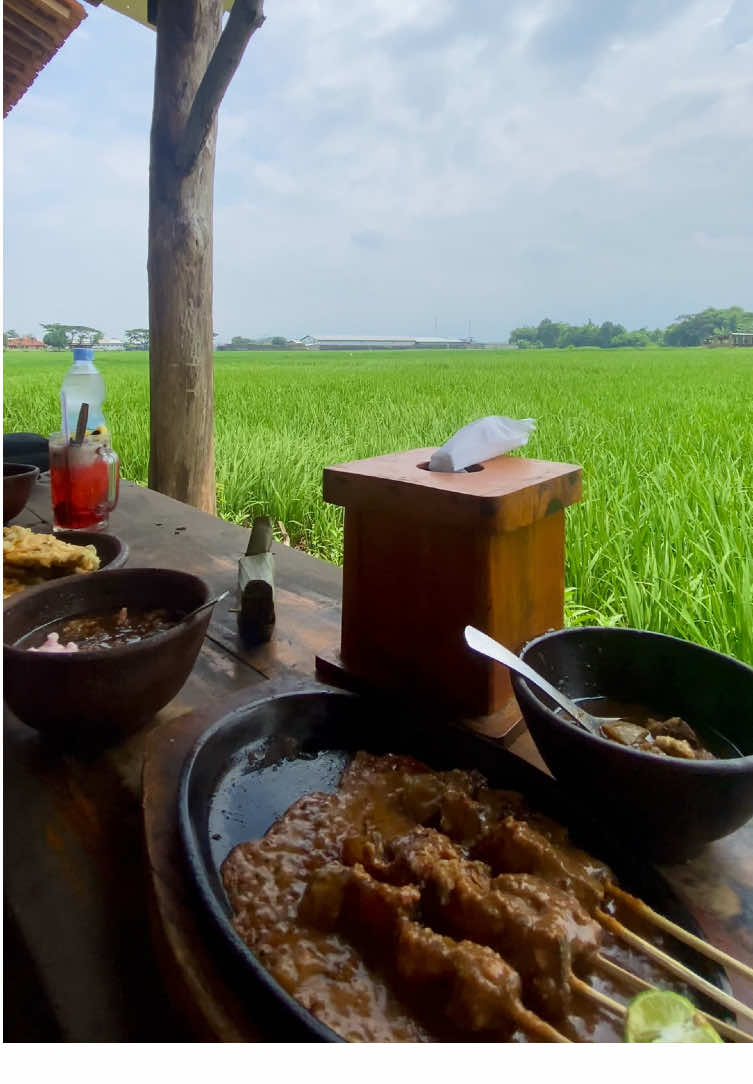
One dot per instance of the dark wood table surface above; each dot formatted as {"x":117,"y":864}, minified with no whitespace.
{"x":102,"y":941}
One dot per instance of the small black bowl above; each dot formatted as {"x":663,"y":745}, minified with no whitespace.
{"x":18,"y":479}
{"x":670,"y":807}
{"x":112,"y":551}
{"x":95,"y":697}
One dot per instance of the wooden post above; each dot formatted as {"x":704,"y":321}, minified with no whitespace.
{"x":428,"y":553}
{"x":194,"y":66}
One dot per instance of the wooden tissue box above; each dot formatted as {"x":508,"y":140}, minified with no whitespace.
{"x":428,"y":553}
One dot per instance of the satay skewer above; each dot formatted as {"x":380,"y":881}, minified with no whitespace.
{"x":539,"y":1027}
{"x":726,"y":1030}
{"x":674,"y":966}
{"x":581,"y":987}
{"x":713,"y":953}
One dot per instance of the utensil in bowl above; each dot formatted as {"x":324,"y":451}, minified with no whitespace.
{"x":18,"y":480}
{"x":98,"y":696}
{"x":485,"y":645}
{"x":204,"y":606}
{"x":670,"y":807}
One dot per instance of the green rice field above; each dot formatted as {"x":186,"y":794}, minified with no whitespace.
{"x":662,"y":540}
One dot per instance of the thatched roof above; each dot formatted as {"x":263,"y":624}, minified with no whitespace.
{"x":33,"y":31}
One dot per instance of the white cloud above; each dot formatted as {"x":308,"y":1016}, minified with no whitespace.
{"x":379,"y":160}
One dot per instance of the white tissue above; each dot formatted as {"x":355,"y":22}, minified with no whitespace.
{"x":480,"y":440}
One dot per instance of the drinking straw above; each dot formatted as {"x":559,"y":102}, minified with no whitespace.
{"x":83,"y":415}
{"x":66,"y":431}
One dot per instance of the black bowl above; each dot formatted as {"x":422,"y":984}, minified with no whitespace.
{"x":112,"y":551}
{"x":97,"y":696}
{"x":18,"y":479}
{"x":668,"y":806}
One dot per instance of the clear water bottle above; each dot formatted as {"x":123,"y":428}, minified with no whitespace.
{"x":83,"y":383}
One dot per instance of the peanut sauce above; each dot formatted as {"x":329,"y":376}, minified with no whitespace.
{"x":422,"y":906}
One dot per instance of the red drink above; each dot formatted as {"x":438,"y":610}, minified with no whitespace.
{"x":84,"y":480}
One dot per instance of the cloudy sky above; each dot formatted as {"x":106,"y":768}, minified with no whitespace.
{"x":407,"y":167}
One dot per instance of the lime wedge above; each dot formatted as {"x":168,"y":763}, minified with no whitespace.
{"x":661,"y":1016}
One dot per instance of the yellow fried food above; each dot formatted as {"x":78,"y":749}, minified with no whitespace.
{"x":30,"y":558}
{"x":24,"y":549}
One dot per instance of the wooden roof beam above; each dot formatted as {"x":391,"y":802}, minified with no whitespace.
{"x":24,"y":11}
{"x":60,"y":10}
{"x":10,"y":18}
{"x":21,"y":45}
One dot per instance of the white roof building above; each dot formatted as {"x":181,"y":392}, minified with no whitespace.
{"x":379,"y":342}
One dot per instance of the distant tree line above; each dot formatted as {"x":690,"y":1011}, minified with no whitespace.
{"x":137,"y":338}
{"x":687,"y":330}
{"x":61,"y":336}
{"x":694,"y":329}
{"x":65,"y":336}
{"x":11,"y":333}
{"x":551,"y":334}
{"x":240,"y":342}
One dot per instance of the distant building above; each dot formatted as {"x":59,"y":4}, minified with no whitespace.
{"x":730,"y":338}
{"x":378,"y":342}
{"x":25,"y":343}
{"x":110,"y":344}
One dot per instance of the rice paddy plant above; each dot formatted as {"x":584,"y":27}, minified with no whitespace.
{"x":663,"y":538}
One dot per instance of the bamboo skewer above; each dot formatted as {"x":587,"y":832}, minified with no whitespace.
{"x":529,"y":1021}
{"x":581,"y":987}
{"x":665,"y":924}
{"x":726,"y":1030}
{"x":674,"y":966}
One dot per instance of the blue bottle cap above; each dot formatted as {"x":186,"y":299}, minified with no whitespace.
{"x":83,"y":353}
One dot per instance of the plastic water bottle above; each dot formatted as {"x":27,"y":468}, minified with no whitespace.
{"x":83,"y":383}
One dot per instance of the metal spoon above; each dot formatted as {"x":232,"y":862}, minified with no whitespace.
{"x":721,"y":746}
{"x":204,"y":606}
{"x":484,"y":644}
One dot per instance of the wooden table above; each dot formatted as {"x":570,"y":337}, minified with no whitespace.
{"x":102,"y":942}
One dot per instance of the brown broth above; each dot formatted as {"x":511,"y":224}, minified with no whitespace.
{"x":103,"y":632}
{"x":705,"y":745}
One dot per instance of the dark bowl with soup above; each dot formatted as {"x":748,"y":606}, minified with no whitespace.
{"x":18,"y":482}
{"x":669,"y":805}
{"x":133,"y":656}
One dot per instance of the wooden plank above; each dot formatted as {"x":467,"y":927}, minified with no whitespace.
{"x":191,"y":971}
{"x":31,"y":38}
{"x":162,"y":532}
{"x":60,"y":10}
{"x":74,"y":872}
{"x":152,"y":523}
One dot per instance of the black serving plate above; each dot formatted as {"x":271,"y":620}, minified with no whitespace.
{"x":255,"y":761}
